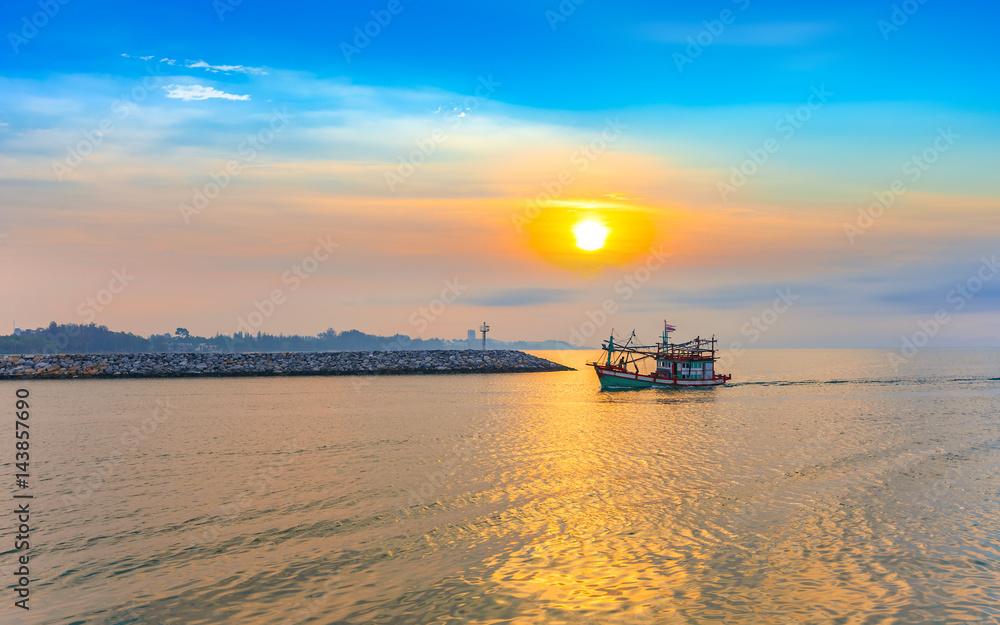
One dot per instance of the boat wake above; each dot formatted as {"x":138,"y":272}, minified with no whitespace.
{"x":887,"y":381}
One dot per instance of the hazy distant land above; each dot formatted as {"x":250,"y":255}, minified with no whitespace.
{"x":94,"y":339}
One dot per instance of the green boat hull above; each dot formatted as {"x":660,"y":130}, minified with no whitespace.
{"x":609,"y":381}
{"x":626,"y":380}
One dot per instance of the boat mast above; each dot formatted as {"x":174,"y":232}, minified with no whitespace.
{"x":611,"y":346}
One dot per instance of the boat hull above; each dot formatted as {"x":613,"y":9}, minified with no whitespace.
{"x":617,"y":379}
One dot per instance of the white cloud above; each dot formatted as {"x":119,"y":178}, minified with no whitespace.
{"x":198,"y":92}
{"x":215,"y":69}
{"x":242,"y":69}
{"x":4,"y":124}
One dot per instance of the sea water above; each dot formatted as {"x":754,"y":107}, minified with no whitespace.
{"x":820,"y":486}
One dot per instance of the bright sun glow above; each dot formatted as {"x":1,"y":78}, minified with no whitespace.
{"x":590,"y":235}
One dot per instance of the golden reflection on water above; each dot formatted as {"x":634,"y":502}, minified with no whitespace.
{"x":594,"y":546}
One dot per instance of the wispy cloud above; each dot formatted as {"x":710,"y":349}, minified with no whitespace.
{"x":765,"y":34}
{"x":522,"y":297}
{"x":189,"y":93}
{"x":199,"y":64}
{"x":226,"y":69}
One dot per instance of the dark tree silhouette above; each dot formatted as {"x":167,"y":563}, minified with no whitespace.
{"x":74,"y":338}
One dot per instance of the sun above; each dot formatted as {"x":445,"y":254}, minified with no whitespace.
{"x":585,"y":235}
{"x":590,"y":234}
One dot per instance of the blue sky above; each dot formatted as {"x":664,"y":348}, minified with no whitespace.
{"x":604,"y":55}
{"x":211,"y":81}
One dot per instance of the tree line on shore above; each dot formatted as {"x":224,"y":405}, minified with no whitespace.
{"x":74,"y":338}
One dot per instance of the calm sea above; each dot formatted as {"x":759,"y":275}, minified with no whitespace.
{"x":820,"y":487}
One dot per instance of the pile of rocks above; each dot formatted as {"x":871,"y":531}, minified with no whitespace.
{"x":208,"y":364}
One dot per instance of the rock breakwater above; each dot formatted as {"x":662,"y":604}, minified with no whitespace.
{"x":216,"y":364}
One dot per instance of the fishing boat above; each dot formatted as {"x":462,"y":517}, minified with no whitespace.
{"x":690,"y":364}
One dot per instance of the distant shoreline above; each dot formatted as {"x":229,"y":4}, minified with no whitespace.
{"x":269,"y":364}
{"x":71,"y":338}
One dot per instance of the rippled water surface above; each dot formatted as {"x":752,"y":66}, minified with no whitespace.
{"x":820,"y":487}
